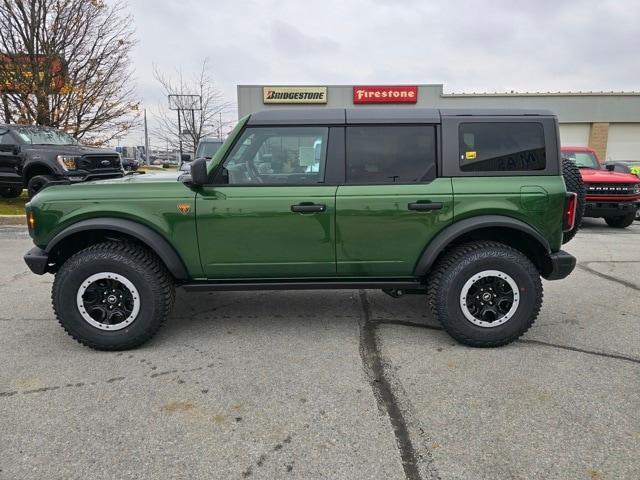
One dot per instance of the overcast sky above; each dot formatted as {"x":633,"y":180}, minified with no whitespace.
{"x":501,"y":45}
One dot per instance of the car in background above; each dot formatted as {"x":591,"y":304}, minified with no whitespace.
{"x":624,"y":166}
{"x":36,"y":157}
{"x":612,"y":195}
{"x":130,"y":164}
{"x":207,"y":148}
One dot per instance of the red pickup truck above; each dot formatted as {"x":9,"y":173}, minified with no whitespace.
{"x":614,"y":196}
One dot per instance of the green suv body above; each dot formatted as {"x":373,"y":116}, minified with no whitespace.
{"x":468,"y":207}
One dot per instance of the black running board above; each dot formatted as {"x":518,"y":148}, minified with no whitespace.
{"x":303,"y":285}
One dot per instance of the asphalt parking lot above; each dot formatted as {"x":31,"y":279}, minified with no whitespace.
{"x":337,"y":385}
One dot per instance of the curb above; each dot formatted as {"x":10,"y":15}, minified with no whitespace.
{"x":13,"y":220}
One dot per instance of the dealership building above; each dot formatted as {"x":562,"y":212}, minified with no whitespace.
{"x":609,"y":122}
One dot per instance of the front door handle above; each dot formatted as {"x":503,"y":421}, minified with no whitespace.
{"x":425,"y":205}
{"x":308,"y":208}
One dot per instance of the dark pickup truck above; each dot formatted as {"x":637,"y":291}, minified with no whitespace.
{"x":35,"y":157}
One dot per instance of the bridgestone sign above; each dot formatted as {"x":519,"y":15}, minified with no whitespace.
{"x":294,"y":94}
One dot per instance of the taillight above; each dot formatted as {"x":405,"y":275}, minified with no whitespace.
{"x":569,"y":217}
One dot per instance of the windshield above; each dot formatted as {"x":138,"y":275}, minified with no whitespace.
{"x":207,"y":149}
{"x":583,"y":159}
{"x":45,"y":136}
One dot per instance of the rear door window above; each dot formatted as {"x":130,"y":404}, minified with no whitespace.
{"x":391,"y":154}
{"x":501,"y":147}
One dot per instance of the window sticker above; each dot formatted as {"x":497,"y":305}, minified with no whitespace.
{"x":307,"y":156}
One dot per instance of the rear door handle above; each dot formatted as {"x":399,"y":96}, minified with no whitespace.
{"x":308,"y":208}
{"x":425,"y":206}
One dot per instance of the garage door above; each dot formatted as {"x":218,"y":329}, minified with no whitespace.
{"x":624,"y":141}
{"x":574,"y":134}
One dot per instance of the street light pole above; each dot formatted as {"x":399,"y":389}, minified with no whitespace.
{"x":179,"y":137}
{"x":146,"y":140}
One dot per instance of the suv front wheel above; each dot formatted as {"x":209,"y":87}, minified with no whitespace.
{"x":485,"y":294}
{"x":620,"y":222}
{"x":37,"y":183}
{"x":112,"y":295}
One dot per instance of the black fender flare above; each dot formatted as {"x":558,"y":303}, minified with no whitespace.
{"x":457,"y":229}
{"x":156,"y":242}
{"x":28,"y":165}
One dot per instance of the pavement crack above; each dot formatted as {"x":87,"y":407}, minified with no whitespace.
{"x":587,"y":268}
{"x":277,"y":448}
{"x":581,"y":350}
{"x":615,"y":356}
{"x":407,"y":324}
{"x":386,"y":397}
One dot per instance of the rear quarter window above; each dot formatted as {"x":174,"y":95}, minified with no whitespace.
{"x":501,"y":147}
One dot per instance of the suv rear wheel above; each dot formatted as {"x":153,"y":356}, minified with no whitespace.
{"x":620,"y":222}
{"x":112,"y":295}
{"x":485,"y":294}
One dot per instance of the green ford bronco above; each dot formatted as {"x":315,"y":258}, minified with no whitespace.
{"x":468,"y":207}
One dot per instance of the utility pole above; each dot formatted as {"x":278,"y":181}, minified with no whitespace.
{"x":193,"y":133}
{"x":146,"y":140}
{"x":179,"y":138}
{"x":180,"y":103}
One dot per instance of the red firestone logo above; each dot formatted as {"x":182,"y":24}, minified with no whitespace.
{"x":385,"y":94}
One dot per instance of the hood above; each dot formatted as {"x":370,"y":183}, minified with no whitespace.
{"x":70,"y":149}
{"x":605,"y":176}
{"x":139,"y":179}
{"x":118,"y":190}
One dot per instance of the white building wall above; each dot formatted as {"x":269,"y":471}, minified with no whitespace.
{"x":574,"y":134}
{"x":624,"y":141}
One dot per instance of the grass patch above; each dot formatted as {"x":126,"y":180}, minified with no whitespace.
{"x":13,"y":206}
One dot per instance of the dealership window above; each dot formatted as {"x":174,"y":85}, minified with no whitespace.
{"x":501,"y":147}
{"x":391,"y":154}
{"x":277,"y":156}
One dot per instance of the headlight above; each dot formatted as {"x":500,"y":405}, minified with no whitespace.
{"x":68,"y":162}
{"x":636,"y":189}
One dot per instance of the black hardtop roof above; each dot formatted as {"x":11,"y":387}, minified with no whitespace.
{"x":337,"y":116}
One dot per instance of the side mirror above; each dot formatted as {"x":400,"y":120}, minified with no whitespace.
{"x":185,"y":157}
{"x":199,"y":174}
{"x":618,"y":167}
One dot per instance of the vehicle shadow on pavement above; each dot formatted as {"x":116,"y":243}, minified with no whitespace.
{"x":199,"y":313}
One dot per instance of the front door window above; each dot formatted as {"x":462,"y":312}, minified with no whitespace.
{"x":277,"y":156}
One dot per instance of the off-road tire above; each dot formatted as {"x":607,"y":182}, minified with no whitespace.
{"x":620,"y":222}
{"x":461,"y":263}
{"x":573,"y":182}
{"x":37,"y":184}
{"x":137,"y":264}
{"x":10,"y":192}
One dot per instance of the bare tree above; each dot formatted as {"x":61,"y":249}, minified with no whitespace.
{"x":195,"y":125}
{"x":65,"y":63}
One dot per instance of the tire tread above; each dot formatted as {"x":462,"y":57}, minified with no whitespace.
{"x":143,"y":257}
{"x":435,"y":294}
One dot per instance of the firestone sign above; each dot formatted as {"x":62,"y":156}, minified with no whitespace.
{"x":385,"y":94}
{"x":294,"y":94}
